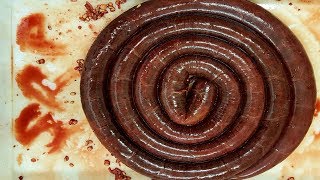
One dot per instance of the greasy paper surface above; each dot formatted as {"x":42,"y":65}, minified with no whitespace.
{"x":66,"y":39}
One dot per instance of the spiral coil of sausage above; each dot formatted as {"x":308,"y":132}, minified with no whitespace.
{"x":191,"y":89}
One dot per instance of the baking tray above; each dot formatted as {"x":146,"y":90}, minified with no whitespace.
{"x":58,"y":143}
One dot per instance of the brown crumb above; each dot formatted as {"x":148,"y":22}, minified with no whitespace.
{"x":89,"y":148}
{"x":119,"y":174}
{"x":290,"y":178}
{"x":41,"y":61}
{"x":88,"y":142}
{"x":80,"y":66}
{"x":49,"y":27}
{"x":60,"y":33}
{"x":71,"y":102}
{"x":20,"y":177}
{"x":73,"y":122}
{"x":89,"y":7}
{"x":66,"y":101}
{"x":79,"y":27}
{"x":119,"y":2}
{"x":290,"y":4}
{"x":28,"y":149}
{"x":106,"y":162}
{"x":73,"y":0}
{"x":66,"y":158}
{"x":14,"y":146}
{"x":71,"y":164}
{"x":33,"y":160}
{"x":73,"y":93}
{"x":99,"y":11}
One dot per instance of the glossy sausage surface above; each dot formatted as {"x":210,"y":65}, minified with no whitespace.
{"x":191,"y":89}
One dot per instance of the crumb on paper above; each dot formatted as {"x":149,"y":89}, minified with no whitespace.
{"x":80,"y":66}
{"x":100,"y":10}
{"x":41,"y":61}
{"x":119,"y":174}
{"x":33,"y":160}
{"x":88,"y":142}
{"x":106,"y":162}
{"x":66,"y":158}
{"x":90,"y":148}
{"x":119,"y":2}
{"x":73,"y":122}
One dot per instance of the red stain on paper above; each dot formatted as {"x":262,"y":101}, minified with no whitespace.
{"x":19,"y":159}
{"x":31,"y":37}
{"x":316,"y":136}
{"x":317,"y":108}
{"x":30,"y":81}
{"x":32,"y":115}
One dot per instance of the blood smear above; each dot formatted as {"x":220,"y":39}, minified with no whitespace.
{"x":31,"y":37}
{"x":26,"y":135}
{"x":34,"y":85}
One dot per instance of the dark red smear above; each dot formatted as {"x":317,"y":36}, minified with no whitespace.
{"x":31,"y":76}
{"x":31,"y":37}
{"x":26,"y":135}
{"x":119,"y":174}
{"x":317,"y":110}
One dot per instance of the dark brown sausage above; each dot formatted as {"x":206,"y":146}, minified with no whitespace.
{"x":191,"y":89}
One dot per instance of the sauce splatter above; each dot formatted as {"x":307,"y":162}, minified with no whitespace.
{"x":316,"y":136}
{"x":31,"y":37}
{"x":19,"y":159}
{"x":119,"y":174}
{"x":317,"y":110}
{"x":31,"y":77}
{"x":26,"y":135}
{"x":313,"y":24}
